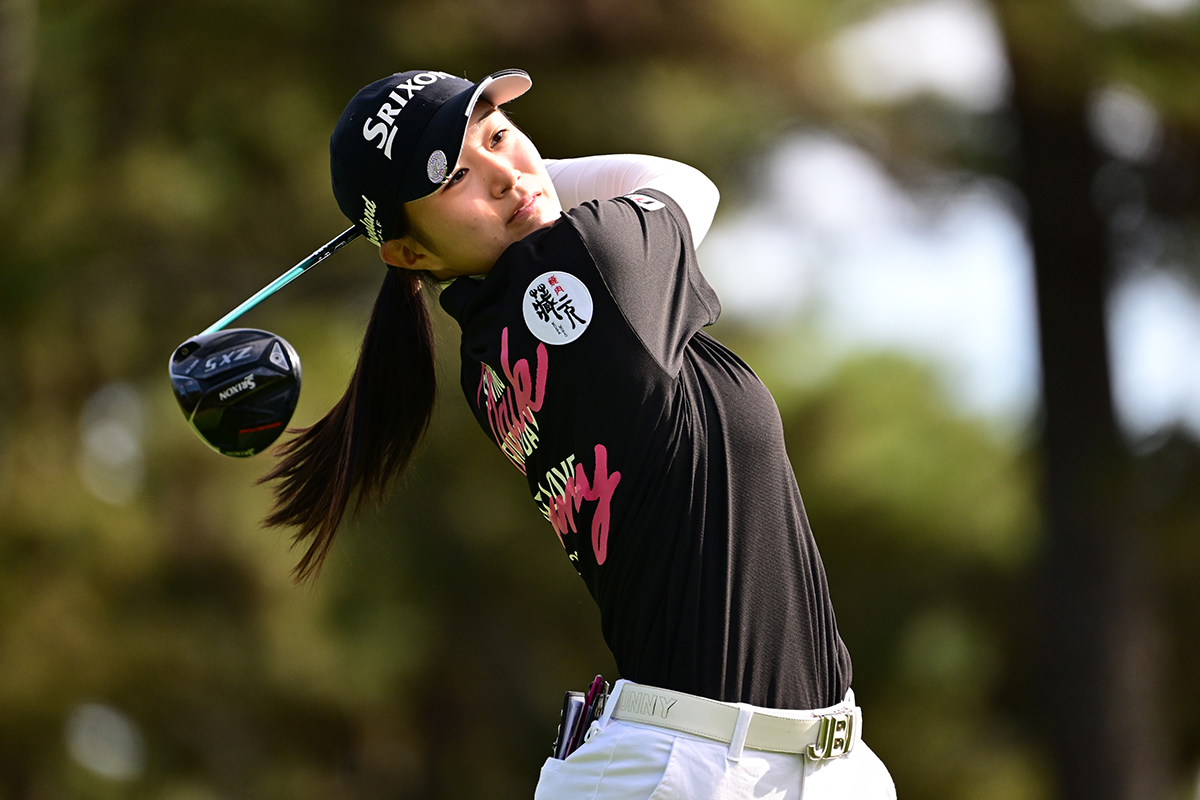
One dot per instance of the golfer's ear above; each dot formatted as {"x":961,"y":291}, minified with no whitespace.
{"x":404,"y":252}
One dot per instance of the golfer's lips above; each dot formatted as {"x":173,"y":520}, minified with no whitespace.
{"x":525,"y":207}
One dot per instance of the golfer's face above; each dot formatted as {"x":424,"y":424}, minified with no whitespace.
{"x":498,"y":193}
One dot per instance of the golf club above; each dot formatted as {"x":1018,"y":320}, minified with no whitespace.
{"x":239,"y":387}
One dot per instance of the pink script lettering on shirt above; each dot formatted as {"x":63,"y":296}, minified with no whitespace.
{"x":511,"y":416}
{"x":561,"y":510}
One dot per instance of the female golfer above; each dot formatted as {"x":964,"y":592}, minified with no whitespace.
{"x":655,"y":453}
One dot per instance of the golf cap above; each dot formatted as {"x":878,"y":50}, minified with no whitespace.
{"x":400,"y":137}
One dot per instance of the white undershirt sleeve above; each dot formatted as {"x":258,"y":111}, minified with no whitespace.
{"x":578,"y":180}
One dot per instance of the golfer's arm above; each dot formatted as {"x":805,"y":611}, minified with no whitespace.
{"x":578,"y":180}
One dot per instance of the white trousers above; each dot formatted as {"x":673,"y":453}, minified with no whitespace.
{"x":630,"y":761}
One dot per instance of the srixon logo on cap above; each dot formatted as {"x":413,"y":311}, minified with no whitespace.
{"x":383,"y":123}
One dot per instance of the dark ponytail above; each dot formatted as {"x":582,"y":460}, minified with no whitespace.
{"x":368,"y":438}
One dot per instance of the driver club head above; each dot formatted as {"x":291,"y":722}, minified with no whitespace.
{"x":237,"y":388}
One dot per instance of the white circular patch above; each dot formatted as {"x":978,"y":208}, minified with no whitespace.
{"x":558,"y":307}
{"x":647,"y":202}
{"x":436,"y":167}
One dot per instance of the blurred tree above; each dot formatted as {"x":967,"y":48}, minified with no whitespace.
{"x":18,"y":21}
{"x":1103,"y":680}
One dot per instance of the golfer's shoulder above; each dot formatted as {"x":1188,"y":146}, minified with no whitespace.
{"x":636,"y":225}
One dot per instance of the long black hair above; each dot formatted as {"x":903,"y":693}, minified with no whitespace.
{"x":366,"y":441}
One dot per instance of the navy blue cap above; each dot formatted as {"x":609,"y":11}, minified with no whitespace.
{"x":399,"y":139}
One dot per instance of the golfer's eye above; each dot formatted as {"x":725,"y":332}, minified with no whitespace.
{"x":457,"y":176}
{"x":498,"y":136}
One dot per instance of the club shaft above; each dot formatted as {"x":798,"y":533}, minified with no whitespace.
{"x":322,"y":253}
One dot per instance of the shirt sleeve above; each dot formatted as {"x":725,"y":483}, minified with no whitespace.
{"x":642,"y":246}
{"x":578,"y":180}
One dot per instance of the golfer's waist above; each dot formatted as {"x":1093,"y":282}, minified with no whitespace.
{"x":817,"y":733}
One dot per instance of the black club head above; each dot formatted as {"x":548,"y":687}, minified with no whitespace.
{"x":237,"y":388}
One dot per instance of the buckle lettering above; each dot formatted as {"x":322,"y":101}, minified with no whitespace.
{"x":835,"y":738}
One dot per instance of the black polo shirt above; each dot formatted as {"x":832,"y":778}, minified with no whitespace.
{"x":656,"y":454}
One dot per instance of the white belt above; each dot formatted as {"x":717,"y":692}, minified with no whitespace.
{"x":826,"y":734}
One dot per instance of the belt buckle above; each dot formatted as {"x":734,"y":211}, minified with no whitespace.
{"x":835,"y":738}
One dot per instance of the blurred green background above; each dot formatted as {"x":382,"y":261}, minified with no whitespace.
{"x":162,"y":160}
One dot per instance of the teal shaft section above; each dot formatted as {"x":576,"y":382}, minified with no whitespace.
{"x":343,"y":239}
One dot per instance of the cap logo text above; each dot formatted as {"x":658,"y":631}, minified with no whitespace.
{"x":384,"y":128}
{"x":372,"y":226}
